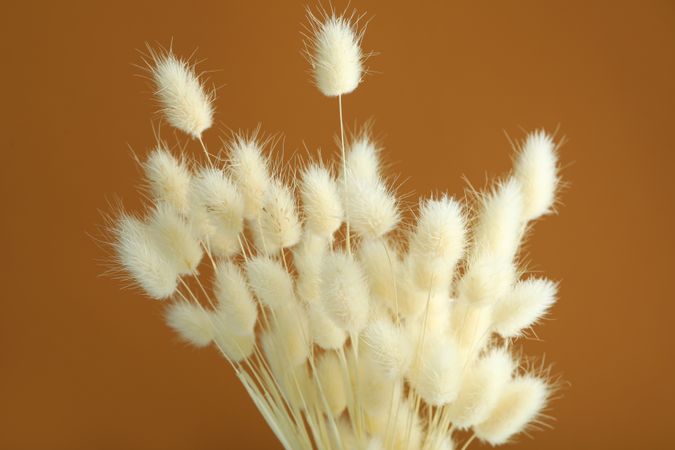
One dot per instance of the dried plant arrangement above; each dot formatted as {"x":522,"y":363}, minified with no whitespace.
{"x":348,"y":328}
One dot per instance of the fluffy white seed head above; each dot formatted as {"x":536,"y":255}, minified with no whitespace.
{"x":331,"y":378}
{"x":235,"y":347}
{"x":334,"y":52}
{"x":487,"y":279}
{"x":371,"y":208}
{"x":500,"y":221}
{"x":271,"y":283}
{"x":249,"y":170}
{"x":290,"y":331}
{"x":377,"y":392}
{"x":520,"y":402}
{"x":527,"y":303}
{"x":471,"y":325}
{"x":278,"y":225}
{"x":345,"y":292}
{"x":482,"y":385}
{"x":217,"y":210}
{"x":381,"y":265}
{"x":308,"y":258}
{"x":321,"y":202}
{"x":536,"y":171}
{"x":184,"y":102}
{"x":138,"y":254}
{"x":237,"y":308}
{"x":192,"y":323}
{"x":389,"y":347}
{"x":175,"y":239}
{"x":437,"y":243}
{"x":324,"y":332}
{"x":436,"y":370}
{"x":168,"y":178}
{"x":362,"y":159}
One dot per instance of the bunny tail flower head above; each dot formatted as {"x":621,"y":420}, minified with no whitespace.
{"x":185,"y":103}
{"x":333,"y":48}
{"x":353,"y":319}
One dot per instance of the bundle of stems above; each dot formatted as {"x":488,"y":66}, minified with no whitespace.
{"x":348,"y":328}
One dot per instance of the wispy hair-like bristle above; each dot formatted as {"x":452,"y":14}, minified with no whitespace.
{"x":250,"y":171}
{"x":435,"y":373}
{"x":321,"y":202}
{"x":278,"y":226}
{"x":345,"y":292}
{"x":176,"y":239}
{"x":271,"y":283}
{"x":236,"y":305}
{"x":390,"y":349}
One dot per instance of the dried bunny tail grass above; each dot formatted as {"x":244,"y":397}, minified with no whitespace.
{"x":345,"y":292}
{"x":500,"y":221}
{"x":536,"y":170}
{"x":528,"y":302}
{"x":332,"y":47}
{"x":487,"y":279}
{"x":437,"y":243}
{"x":381,"y":265}
{"x":389,"y":347}
{"x":181,"y":94}
{"x":278,"y":226}
{"x":521,"y":401}
{"x":290,"y":331}
{"x":329,"y":376}
{"x":482,"y":385}
{"x":216,"y":210}
{"x":435,"y":373}
{"x":372,"y":209}
{"x":249,"y":169}
{"x":321,"y":202}
{"x":168,"y":178}
{"x":192,"y":323}
{"x":363,"y":160}
{"x":270,"y":281}
{"x":324,"y":332}
{"x":176,"y":239}
{"x":236,"y":306}
{"x":307,"y":259}
{"x":139,"y":256}
{"x":234,"y":347}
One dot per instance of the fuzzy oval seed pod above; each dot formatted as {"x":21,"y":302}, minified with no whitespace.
{"x":381,"y":264}
{"x":271,"y":283}
{"x":536,"y":171}
{"x":278,"y":225}
{"x":435,"y":373}
{"x":330,"y":376}
{"x":529,"y":301}
{"x":176,"y":239}
{"x":377,"y":391}
{"x":334,"y":52}
{"x":410,"y":299}
{"x":249,"y":170}
{"x":324,"y":332}
{"x":217,"y":210}
{"x":482,"y":384}
{"x":500,"y":221}
{"x":185,"y":103}
{"x":235,"y":347}
{"x":192,"y":323}
{"x":388,"y":346}
{"x":345,"y":293}
{"x":307,"y":258}
{"x":168,"y":178}
{"x":372,"y":210}
{"x":437,"y":243}
{"x":321,"y":202}
{"x":137,"y":253}
{"x":520,"y":402}
{"x":363,"y":160}
{"x":236,"y":305}
{"x":487,"y":280}
{"x":471,"y":325}
{"x":291,"y":333}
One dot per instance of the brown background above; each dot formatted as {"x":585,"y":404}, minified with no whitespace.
{"x":87,"y":366}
